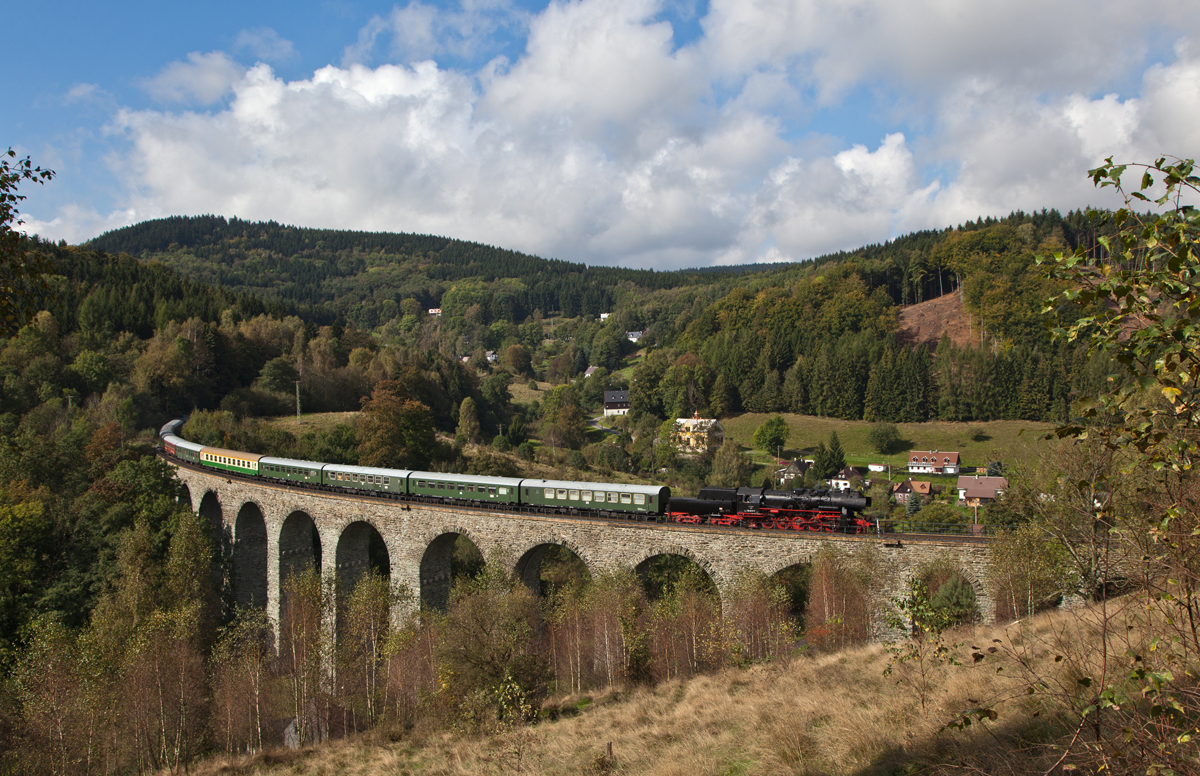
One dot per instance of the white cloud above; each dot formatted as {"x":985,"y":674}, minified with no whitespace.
{"x":419,"y":31}
{"x":266,"y":45}
{"x":203,"y":79}
{"x":926,"y":44}
{"x":76,"y":224}
{"x":607,"y":142}
{"x":85,"y":93}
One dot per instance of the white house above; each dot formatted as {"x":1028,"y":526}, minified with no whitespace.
{"x":933,"y":462}
{"x":616,"y":403}
{"x":846,"y":479}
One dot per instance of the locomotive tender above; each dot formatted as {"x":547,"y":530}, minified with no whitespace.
{"x":805,"y":510}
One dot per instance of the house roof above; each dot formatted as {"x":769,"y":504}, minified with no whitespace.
{"x":971,"y":481}
{"x":979,"y":492}
{"x":913,"y":486}
{"x":846,"y":474}
{"x":932,"y":458}
{"x":699,"y":424}
{"x":611,"y":397}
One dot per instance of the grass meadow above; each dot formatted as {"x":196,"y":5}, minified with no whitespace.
{"x":977,"y":442}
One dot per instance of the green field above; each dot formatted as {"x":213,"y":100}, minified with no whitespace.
{"x":976,"y":443}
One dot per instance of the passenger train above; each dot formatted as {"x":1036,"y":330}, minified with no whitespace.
{"x":808,"y":510}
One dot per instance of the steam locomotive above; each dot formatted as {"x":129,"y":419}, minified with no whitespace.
{"x":796,"y":510}
{"x":803,"y":509}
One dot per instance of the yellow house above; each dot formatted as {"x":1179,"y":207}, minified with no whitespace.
{"x":697,"y":434}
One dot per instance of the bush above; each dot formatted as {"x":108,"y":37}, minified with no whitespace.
{"x":526,"y":451}
{"x":577,"y":460}
{"x":956,"y":598}
{"x":884,"y":437}
{"x":501,"y":444}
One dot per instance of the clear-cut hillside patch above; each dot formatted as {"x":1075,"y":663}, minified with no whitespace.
{"x":927,"y":321}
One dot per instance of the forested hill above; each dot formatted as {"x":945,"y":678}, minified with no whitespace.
{"x":341,"y":269}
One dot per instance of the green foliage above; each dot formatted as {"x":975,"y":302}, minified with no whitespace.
{"x":772,"y":435}
{"x":956,"y":599}
{"x":936,"y":513}
{"x":25,"y":533}
{"x":488,"y":645}
{"x":884,"y":438}
{"x":21,"y":271}
{"x":468,"y":421}
{"x":730,"y":469}
{"x":278,"y":374}
{"x":920,"y":658}
{"x":1145,"y":299}
{"x":1028,"y":570}
{"x":835,"y":455}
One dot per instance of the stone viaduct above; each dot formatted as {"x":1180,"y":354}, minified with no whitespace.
{"x":270,"y":530}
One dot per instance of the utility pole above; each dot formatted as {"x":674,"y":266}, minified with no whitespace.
{"x":297,"y":403}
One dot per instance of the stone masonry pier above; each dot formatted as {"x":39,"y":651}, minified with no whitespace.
{"x":269,"y":531}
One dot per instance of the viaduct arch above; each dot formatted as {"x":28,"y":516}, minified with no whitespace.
{"x":269,"y":531}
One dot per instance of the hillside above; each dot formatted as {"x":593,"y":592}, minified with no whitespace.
{"x":924,"y":323}
{"x":342,"y":270}
{"x":822,"y":714}
{"x":364,"y":277}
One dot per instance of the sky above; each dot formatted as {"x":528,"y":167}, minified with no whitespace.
{"x":637,"y":133}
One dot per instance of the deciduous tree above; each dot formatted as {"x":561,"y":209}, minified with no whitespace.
{"x":772,"y":434}
{"x":21,"y":270}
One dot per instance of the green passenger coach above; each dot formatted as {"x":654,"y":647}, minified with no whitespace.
{"x":290,"y":470}
{"x":464,"y":487}
{"x":366,"y":478}
{"x":595,"y":495}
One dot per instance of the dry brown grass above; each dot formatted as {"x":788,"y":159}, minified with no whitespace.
{"x":318,"y":421}
{"x":828,"y":714}
{"x":522,"y":394}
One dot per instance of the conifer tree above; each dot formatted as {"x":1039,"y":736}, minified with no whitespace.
{"x":836,"y":460}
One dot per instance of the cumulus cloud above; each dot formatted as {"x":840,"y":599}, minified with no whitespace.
{"x":202,"y":79}
{"x":608,"y":142}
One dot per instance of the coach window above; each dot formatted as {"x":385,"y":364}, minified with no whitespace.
{"x":573,"y":495}
{"x":612,"y":498}
{"x":549,"y":493}
{"x":491,"y":491}
{"x":639,"y":498}
{"x":585,"y":495}
{"x":561,"y":493}
{"x":503,"y":491}
{"x":624,"y":498}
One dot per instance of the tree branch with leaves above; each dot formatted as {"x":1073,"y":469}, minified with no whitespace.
{"x":22,"y":272}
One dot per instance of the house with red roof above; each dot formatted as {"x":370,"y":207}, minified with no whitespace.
{"x":911,"y":488}
{"x":933,"y":462}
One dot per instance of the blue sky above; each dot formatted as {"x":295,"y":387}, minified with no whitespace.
{"x":644,"y":133}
